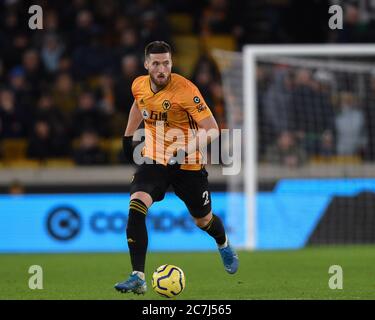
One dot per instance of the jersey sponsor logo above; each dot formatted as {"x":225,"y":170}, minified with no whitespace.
{"x":158,"y":119}
{"x":196,"y":99}
{"x":160,"y":116}
{"x":201,"y":107}
{"x":166,"y":105}
{"x":145,"y":114}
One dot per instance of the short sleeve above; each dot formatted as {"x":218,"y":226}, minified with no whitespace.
{"x":194,"y":103}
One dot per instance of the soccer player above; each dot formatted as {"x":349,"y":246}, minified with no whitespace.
{"x":167,"y":101}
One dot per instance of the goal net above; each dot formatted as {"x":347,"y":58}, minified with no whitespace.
{"x":307,"y":115}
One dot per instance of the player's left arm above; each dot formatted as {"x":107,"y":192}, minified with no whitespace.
{"x":208,"y":131}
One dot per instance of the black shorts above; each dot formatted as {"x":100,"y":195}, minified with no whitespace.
{"x":190,"y":186}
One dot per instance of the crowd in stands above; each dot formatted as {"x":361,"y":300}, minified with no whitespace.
{"x":67,"y":86}
{"x":305,"y":113}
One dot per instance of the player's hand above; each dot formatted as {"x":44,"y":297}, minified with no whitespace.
{"x":127,"y":146}
{"x":177,"y":159}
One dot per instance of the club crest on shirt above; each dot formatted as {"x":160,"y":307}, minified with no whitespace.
{"x":201,"y":107}
{"x":145,"y":114}
{"x":166,"y":105}
{"x":196,"y":99}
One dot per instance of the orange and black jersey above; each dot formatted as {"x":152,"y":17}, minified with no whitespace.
{"x":180,"y":106}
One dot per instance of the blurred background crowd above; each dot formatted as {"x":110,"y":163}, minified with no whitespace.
{"x":65,"y":90}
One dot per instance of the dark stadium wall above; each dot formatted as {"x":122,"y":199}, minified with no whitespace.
{"x":347,"y":220}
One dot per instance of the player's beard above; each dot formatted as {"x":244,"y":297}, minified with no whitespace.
{"x":160,"y":83}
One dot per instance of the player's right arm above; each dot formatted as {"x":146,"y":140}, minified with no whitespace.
{"x":134,"y":120}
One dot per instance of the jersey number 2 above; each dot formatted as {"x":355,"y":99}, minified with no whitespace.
{"x":206,"y":198}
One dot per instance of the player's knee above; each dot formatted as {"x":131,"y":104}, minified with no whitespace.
{"x":202,"y":222}
{"x":143,"y":196}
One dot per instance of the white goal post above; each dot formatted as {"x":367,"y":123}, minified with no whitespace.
{"x":246,"y":83}
{"x":250,"y":55}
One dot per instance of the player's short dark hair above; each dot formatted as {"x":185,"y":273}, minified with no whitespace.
{"x":157,"y":47}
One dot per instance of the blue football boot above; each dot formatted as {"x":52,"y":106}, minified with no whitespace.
{"x":134,"y":284}
{"x":230,"y":259}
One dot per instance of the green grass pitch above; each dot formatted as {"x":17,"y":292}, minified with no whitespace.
{"x":300,"y":274}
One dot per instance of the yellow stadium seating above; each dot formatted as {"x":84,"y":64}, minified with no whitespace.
{"x":181,"y":23}
{"x":336,"y":160}
{"x":59,"y":162}
{"x":13,"y":149}
{"x":187,"y":53}
{"x":224,"y":42}
{"x":22,"y":164}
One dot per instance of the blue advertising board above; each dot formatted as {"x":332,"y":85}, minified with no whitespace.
{"x":97,"y":223}
{"x":285,"y":219}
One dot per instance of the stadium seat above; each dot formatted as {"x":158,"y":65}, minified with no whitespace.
{"x":113,"y":152}
{"x":224,"y":42}
{"x":13,"y":149}
{"x":187,"y":53}
{"x":181,"y":23}
{"x":336,"y":160}
{"x":22,"y":164}
{"x":59,"y":162}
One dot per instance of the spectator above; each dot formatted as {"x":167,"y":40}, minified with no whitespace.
{"x":324,"y":114}
{"x":13,"y":123}
{"x":277,"y":104}
{"x":34,"y":72}
{"x":312,"y":109}
{"x":216,"y":18}
{"x":205,"y":74}
{"x":88,"y":117}
{"x":105,"y":94}
{"x":13,"y":39}
{"x":21,"y":88}
{"x":286,"y":152}
{"x":350,"y":126}
{"x":355,"y":30}
{"x":129,"y":45}
{"x":85,"y":28}
{"x":51,"y":23}
{"x":328,"y":148}
{"x":48,"y":113}
{"x":52,"y":50}
{"x":42,"y":144}
{"x":64,"y":64}
{"x":65,"y":94}
{"x":123,"y":95}
{"x":152,"y":26}
{"x":92,"y":59}
{"x":89,"y":151}
{"x":16,"y":188}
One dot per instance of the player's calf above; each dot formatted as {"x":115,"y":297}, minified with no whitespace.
{"x":213,"y":225}
{"x":215,"y":228}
